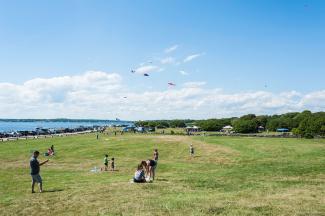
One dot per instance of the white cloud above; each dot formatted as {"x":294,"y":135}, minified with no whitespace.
{"x":146,"y":69}
{"x":97,"y":94}
{"x":171,"y":49}
{"x":167,"y":60}
{"x":183,"y":73}
{"x":192,"y":57}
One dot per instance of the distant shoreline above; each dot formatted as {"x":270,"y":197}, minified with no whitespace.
{"x":61,"y":120}
{"x":33,"y":125}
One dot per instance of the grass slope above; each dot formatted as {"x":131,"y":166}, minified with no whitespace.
{"x":228,"y":176}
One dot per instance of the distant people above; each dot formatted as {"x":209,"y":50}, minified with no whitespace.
{"x":139,"y":176}
{"x":112,"y":164}
{"x":191,"y":150}
{"x":97,"y":136}
{"x":115,"y":133}
{"x":155,"y":155}
{"x":52,"y":149}
{"x":35,"y":170}
{"x":106,"y":162}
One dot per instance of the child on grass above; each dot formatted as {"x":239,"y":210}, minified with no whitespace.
{"x":106,"y":162}
{"x":112,"y":165}
{"x":191,"y":150}
{"x":155,"y":155}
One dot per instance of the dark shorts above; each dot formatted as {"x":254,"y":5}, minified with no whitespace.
{"x":155,"y":166}
{"x":36,"y":178}
{"x":153,"y":163}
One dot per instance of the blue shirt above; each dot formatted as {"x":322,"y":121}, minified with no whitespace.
{"x":34,"y":166}
{"x":139,"y":175}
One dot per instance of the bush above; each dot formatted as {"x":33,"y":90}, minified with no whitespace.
{"x":296,"y":131}
{"x":309,"y":136}
{"x":245,"y":126}
{"x":172,"y":132}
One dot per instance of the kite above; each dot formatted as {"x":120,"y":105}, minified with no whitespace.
{"x":132,"y":71}
{"x":171,"y":84}
{"x":145,"y":74}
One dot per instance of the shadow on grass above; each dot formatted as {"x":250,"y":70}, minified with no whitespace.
{"x":52,"y":190}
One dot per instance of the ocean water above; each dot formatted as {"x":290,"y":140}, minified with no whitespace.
{"x":8,"y":126}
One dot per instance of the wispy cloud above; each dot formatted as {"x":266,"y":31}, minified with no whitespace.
{"x":192,"y":57}
{"x":184,"y":73}
{"x":147,"y":69}
{"x":167,"y":60}
{"x":171,"y":49}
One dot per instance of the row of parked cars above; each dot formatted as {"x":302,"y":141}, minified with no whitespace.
{"x":50,"y":131}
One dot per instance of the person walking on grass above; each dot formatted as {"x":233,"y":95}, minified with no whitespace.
{"x":35,"y":170}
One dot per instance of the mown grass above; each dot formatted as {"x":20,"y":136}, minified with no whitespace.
{"x":227,"y":176}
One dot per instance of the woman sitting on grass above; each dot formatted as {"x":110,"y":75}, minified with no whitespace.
{"x":139,"y":176}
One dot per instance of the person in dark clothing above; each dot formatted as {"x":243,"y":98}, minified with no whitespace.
{"x":112,"y":164}
{"x":35,"y":170}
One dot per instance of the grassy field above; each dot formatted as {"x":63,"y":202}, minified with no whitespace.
{"x":228,"y":176}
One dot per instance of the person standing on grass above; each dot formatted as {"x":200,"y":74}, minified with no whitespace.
{"x":155,"y":155}
{"x":150,"y":167}
{"x":34,"y":171}
{"x":106,"y":162}
{"x":112,"y":164}
{"x":191,"y":150}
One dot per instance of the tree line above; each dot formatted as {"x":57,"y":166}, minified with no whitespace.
{"x":304,"y":124}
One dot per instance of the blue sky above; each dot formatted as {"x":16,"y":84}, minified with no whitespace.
{"x":241,"y":47}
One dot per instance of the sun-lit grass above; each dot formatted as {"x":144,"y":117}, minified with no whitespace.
{"x":228,"y":176}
